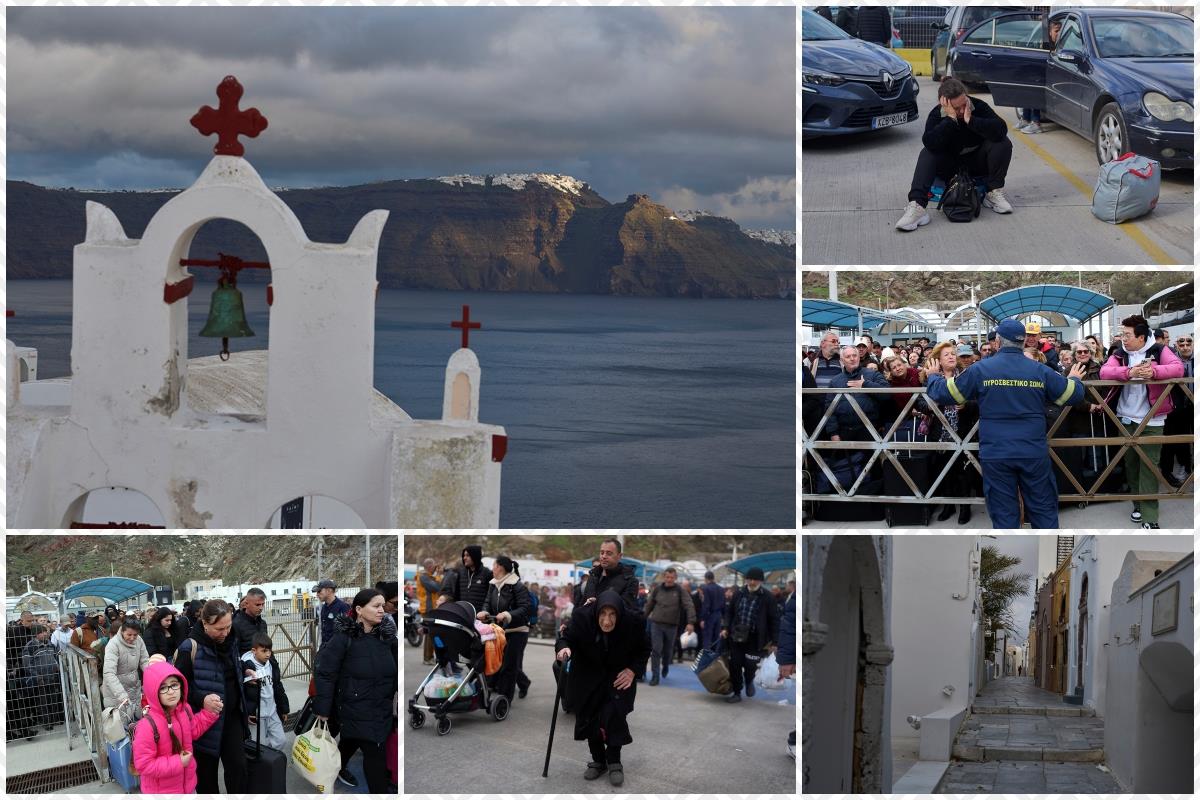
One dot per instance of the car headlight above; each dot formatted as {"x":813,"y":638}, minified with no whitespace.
{"x":1162,"y":107}
{"x":818,"y":78}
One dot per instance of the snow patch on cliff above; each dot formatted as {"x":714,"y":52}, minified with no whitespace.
{"x":517,"y":181}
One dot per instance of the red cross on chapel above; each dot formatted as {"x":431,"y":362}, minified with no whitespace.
{"x":466,"y":324}
{"x":227,"y":121}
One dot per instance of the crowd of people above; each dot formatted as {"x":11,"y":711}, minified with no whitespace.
{"x":198,"y":683}
{"x":1134,"y":354}
{"x":618,"y":631}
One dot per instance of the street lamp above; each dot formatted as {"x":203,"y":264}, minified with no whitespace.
{"x":887,"y":302}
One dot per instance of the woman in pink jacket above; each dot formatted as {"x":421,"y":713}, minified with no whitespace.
{"x":1137,"y":360}
{"x":162,"y":741}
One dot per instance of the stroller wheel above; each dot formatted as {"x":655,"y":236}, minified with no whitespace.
{"x":499,"y":707}
{"x":443,"y":726}
{"x":417,"y":720}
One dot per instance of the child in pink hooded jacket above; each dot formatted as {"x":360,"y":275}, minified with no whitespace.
{"x":166,"y":765}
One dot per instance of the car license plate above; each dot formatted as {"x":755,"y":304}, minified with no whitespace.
{"x":889,"y":120}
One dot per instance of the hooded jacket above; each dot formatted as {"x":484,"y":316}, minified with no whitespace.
{"x":469,"y":585}
{"x":1165,"y":363}
{"x":161,"y":769}
{"x":596,"y":660}
{"x":511,"y":595}
{"x":121,"y":663}
{"x":356,"y":672}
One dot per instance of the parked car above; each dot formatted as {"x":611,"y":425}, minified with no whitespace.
{"x":849,"y":85}
{"x":1120,"y":77}
{"x":915,"y":24}
{"x":958,"y":20}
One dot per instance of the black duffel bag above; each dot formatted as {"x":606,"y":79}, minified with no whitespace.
{"x":960,"y":202}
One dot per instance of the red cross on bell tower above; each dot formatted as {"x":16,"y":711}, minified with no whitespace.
{"x":466,"y":324}
{"x":227,"y":121}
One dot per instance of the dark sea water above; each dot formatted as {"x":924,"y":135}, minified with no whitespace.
{"x":620,"y":412}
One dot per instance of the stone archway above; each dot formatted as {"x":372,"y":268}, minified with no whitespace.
{"x":846,"y":656}
{"x":1162,"y":760}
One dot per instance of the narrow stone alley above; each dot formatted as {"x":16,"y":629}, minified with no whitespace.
{"x":1022,"y":739}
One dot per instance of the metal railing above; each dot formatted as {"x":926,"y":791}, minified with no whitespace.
{"x":294,"y":645}
{"x":883,"y":446}
{"x":82,"y":702}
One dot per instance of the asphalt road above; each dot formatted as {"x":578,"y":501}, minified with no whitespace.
{"x":855,"y":188}
{"x":684,"y":741}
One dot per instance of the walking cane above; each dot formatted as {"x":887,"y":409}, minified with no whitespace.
{"x":554,"y":719}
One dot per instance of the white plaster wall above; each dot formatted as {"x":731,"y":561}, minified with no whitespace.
{"x":130,"y":423}
{"x":931,"y":630}
{"x":1121,"y":732}
{"x":1102,"y":557}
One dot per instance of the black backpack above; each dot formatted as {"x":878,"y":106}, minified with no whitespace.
{"x":960,"y":201}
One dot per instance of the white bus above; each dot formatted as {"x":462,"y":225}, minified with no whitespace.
{"x":1173,"y":309}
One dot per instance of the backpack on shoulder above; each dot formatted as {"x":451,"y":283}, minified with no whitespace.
{"x":960,"y":202}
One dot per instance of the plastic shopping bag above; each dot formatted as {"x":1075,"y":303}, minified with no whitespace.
{"x":687,"y":641}
{"x":768,"y":674}
{"x":315,"y":756}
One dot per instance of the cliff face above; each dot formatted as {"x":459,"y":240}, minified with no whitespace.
{"x":534,"y":234}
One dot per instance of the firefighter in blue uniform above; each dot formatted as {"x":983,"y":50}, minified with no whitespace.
{"x":1012,"y":392}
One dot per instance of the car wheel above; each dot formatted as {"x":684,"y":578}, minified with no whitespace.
{"x":1110,"y":134}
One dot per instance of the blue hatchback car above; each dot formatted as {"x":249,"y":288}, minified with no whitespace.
{"x":851,"y":86}
{"x":1121,"y":77}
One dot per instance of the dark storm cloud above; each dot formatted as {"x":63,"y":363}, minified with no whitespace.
{"x":685,"y":103}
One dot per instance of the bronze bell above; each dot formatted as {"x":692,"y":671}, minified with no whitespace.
{"x":226,"y":317}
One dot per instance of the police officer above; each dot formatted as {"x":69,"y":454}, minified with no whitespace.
{"x":1012,"y":392}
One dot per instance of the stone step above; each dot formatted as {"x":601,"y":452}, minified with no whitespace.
{"x":1043,"y":711}
{"x":976,"y":753}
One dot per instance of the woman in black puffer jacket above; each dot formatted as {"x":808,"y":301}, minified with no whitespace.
{"x":356,"y":675}
{"x":509,"y":604}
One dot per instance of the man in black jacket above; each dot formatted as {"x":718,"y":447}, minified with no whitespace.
{"x":611,"y":574}
{"x":469,"y":582}
{"x":750,"y":626}
{"x":875,"y":25}
{"x":961,"y":131}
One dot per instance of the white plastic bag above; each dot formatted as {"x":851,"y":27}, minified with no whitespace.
{"x":768,"y":674}
{"x":315,"y":756}
{"x":688,"y":641}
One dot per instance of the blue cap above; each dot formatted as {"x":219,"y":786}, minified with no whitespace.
{"x":1011,"y":329}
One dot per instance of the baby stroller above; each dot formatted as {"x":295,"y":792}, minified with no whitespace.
{"x":455,"y":643}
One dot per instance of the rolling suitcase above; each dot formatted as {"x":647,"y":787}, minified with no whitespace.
{"x":266,"y":767}
{"x":120,"y":764}
{"x":918,"y":465}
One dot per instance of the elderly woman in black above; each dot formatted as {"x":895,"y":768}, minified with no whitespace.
{"x":608,"y":647}
{"x":509,"y":604}
{"x":356,"y":680}
{"x":208,"y":661}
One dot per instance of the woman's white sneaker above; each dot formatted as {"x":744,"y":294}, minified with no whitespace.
{"x":914,"y":217}
{"x":996,"y":201}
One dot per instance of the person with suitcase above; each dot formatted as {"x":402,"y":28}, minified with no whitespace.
{"x":163,"y":738}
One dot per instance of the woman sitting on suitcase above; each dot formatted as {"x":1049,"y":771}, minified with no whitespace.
{"x":608,"y":647}
{"x":162,"y":740}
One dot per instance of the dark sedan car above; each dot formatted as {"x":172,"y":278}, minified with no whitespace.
{"x":1121,"y":77}
{"x":849,"y":85}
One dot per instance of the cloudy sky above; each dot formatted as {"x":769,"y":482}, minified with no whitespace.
{"x":693,"y":106}
{"x":1024,"y":547}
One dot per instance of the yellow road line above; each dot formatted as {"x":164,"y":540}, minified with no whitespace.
{"x":1130,"y":229}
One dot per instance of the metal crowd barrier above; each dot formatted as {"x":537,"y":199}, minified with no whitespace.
{"x":82,"y":702}
{"x":883,"y":446}
{"x":297,"y":659}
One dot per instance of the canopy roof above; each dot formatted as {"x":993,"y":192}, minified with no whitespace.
{"x":113,"y":589}
{"x":1070,"y":301}
{"x":836,"y":314}
{"x":641,"y":569}
{"x":773,"y":561}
